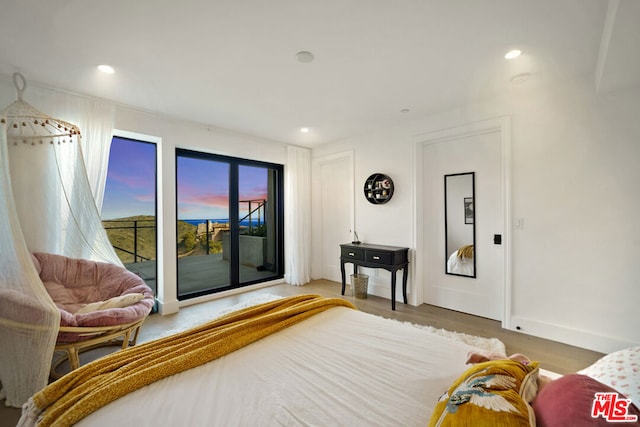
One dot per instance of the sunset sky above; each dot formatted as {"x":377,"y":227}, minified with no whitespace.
{"x":130,"y":188}
{"x":202,"y":184}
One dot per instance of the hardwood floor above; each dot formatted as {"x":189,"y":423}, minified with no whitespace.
{"x":554,"y":356}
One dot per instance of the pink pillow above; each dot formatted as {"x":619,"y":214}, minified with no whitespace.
{"x":568,"y":401}
{"x":620,"y":370}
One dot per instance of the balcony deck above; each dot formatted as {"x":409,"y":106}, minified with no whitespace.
{"x":198,"y":273}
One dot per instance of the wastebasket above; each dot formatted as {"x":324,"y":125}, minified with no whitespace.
{"x":360,"y":285}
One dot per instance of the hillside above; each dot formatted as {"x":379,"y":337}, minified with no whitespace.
{"x":121,"y":233}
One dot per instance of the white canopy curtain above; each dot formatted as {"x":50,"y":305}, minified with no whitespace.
{"x":46,"y":205}
{"x":297,"y":213}
{"x":27,"y":342}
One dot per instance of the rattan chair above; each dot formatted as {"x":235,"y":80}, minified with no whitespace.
{"x":100,"y":304}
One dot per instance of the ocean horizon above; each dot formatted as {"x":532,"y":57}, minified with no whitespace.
{"x":245,"y":222}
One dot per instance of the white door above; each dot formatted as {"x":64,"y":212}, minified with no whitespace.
{"x":479,"y":153}
{"x":333,"y":212}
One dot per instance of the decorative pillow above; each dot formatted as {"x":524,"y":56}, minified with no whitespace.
{"x":569,"y":401}
{"x":493,"y":394}
{"x":619,"y":370}
{"x":120,"y":301}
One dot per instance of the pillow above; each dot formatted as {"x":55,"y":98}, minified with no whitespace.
{"x":619,"y":370}
{"x":120,"y":301}
{"x":569,"y":401}
{"x":494,"y":393}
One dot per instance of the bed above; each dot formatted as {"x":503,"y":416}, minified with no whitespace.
{"x":461,"y":261}
{"x":337,"y":366}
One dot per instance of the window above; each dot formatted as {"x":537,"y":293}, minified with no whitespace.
{"x":229,"y":222}
{"x":130,"y":205}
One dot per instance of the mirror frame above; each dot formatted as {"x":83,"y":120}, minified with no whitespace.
{"x":446,"y":225}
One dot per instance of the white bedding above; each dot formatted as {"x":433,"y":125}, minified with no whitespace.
{"x":340,"y":367}
{"x":458,"y":265}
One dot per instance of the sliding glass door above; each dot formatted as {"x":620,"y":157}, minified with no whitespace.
{"x":230,"y":222}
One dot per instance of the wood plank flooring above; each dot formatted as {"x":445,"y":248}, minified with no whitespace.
{"x":554,"y":356}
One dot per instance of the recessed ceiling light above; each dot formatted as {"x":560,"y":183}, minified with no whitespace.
{"x":512,"y":54}
{"x":304,"y":56}
{"x":107,"y":69}
{"x":304,"y":130}
{"x":520,"y":78}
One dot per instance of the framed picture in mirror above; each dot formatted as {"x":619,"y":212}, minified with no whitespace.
{"x":468,"y":210}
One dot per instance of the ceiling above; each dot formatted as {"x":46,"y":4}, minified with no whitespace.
{"x":232,"y":63}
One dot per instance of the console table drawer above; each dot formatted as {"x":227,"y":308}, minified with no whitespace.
{"x":378,"y":257}
{"x":352,"y":253}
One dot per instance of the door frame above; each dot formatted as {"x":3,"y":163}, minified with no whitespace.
{"x":317,"y":257}
{"x":234,"y":164}
{"x":503,"y":126}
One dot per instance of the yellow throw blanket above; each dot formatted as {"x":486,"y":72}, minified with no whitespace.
{"x":96,"y":384}
{"x":465,"y":252}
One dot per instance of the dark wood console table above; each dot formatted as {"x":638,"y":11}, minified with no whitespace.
{"x":391,"y":258}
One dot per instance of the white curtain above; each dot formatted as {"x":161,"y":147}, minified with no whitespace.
{"x":55,"y":205}
{"x":94,"y":117}
{"x":297,"y":214}
{"x":57,"y":197}
{"x":29,"y":320}
{"x":46,"y":205}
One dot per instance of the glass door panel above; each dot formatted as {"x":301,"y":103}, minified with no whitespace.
{"x":203,"y":246}
{"x":257,"y":222}
{"x":129,"y":206}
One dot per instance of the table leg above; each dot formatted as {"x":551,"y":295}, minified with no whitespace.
{"x":393,"y":290}
{"x":405,"y":273}
{"x":343,"y":276}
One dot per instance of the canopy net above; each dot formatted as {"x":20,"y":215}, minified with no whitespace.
{"x":46,"y":205}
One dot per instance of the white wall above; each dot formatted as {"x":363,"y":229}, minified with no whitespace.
{"x":575,"y":274}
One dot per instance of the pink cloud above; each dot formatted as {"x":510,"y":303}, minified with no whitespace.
{"x":128,"y":180}
{"x":211,"y":200}
{"x":254,"y":194}
{"x":148,"y":197}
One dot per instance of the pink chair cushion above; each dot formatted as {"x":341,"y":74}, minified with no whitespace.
{"x":73,"y":283}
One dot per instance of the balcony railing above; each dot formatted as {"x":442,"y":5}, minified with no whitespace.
{"x":255,"y":215}
{"x":134,"y":225}
{"x":259,"y":209}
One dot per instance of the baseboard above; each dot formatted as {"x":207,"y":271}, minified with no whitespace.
{"x":567,"y":335}
{"x":384,"y":291}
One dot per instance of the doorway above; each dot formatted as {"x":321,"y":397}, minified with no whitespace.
{"x":229,"y":222}
{"x":479,"y":148}
{"x":333,"y":212}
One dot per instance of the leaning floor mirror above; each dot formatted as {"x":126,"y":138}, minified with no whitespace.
{"x":459,"y":224}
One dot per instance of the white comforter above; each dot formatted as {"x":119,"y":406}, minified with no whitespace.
{"x":340,"y":367}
